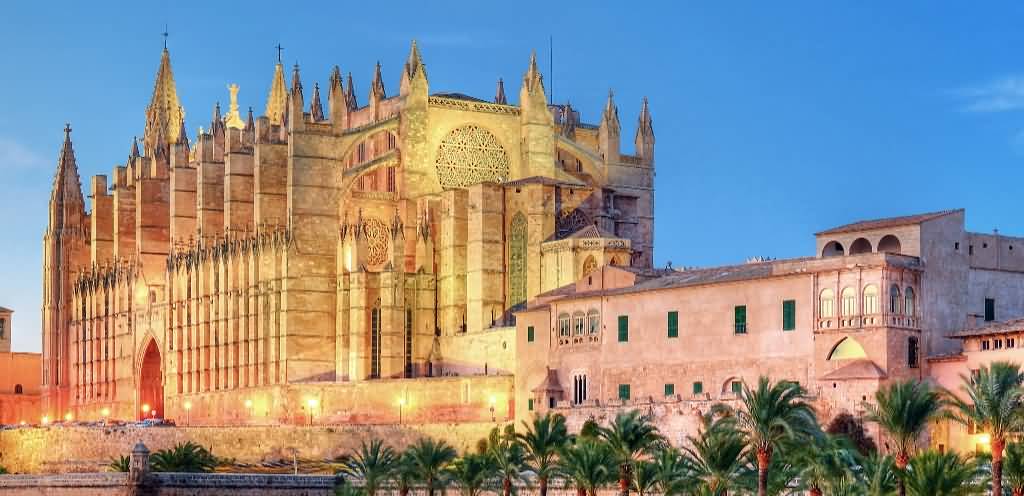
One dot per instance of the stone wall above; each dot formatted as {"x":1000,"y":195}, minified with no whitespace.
{"x":90,"y":449}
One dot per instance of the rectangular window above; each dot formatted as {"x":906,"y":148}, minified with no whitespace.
{"x":529,"y":404}
{"x":623,"y":328}
{"x":698,"y":387}
{"x":990,"y":309}
{"x":1010,"y":342}
{"x":736,"y":387}
{"x":997,"y":344}
{"x":912,"y":352}
{"x":788,"y":315}
{"x":740,"y":319}
{"x":3,"y":323}
{"x":670,"y":389}
{"x":408,"y":343}
{"x":529,"y":335}
{"x":984,"y":344}
{"x":673,"y":324}
{"x":624,"y":392}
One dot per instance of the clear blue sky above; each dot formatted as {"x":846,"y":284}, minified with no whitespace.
{"x":773,"y":119}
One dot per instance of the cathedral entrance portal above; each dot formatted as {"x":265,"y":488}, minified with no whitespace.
{"x":151,"y":389}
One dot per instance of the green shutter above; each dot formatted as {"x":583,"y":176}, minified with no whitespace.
{"x":740,"y":322}
{"x":673,"y":324}
{"x":698,"y":387}
{"x":670,"y":389}
{"x":529,"y":336}
{"x":529,"y":404}
{"x":623,"y":328}
{"x":737,"y":387}
{"x":789,"y":315}
{"x":623,"y":392}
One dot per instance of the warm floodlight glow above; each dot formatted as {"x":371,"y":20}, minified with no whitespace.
{"x":105,"y":412}
{"x":45,"y":420}
{"x":145,"y":408}
{"x":68,"y":417}
{"x":401,"y":401}
{"x":493,"y":400}
{"x":188,"y":405}
{"x":248,"y":403}
{"x":984,"y":438}
{"x":311,"y":402}
{"x":23,"y":423}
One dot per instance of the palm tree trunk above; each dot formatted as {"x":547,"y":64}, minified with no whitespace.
{"x":581,"y":491}
{"x":430,"y":486}
{"x":404,"y":491}
{"x":816,"y":491}
{"x":543,"y":486}
{"x":997,"y":466}
{"x":902,"y":459}
{"x":624,"y":479}
{"x":506,"y":487}
{"x":763,"y":459}
{"x":1018,"y":491}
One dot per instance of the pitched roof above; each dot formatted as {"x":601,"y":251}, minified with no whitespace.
{"x":1016,"y":325}
{"x":867,"y":225}
{"x":550,"y":384}
{"x":5,"y":309}
{"x":856,"y":369}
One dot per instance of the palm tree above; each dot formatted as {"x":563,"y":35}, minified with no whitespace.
{"x":673,"y":475}
{"x":644,"y":478}
{"x":770,"y":415}
{"x":630,"y":436}
{"x":715,"y":455}
{"x":878,"y":475}
{"x":429,"y":458}
{"x":122,"y":463}
{"x":995,"y":395}
{"x":373,"y":463}
{"x":1013,"y":468}
{"x":544,"y":437}
{"x":183,"y":457}
{"x":472,"y":471}
{"x":404,"y":474}
{"x":588,"y":464}
{"x":825,"y":462}
{"x":903,"y":410}
{"x":508,"y":456}
{"x":943,"y":474}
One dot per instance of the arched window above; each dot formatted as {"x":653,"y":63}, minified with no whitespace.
{"x":375,"y":343}
{"x":518,"y":235}
{"x":889,"y":244}
{"x":870,"y":299}
{"x":563,"y":325}
{"x":593,"y":322}
{"x":849,"y":297}
{"x":846,"y":349}
{"x":833,"y":249}
{"x":894,"y":299}
{"x":578,"y":324}
{"x":589,"y":265}
{"x":908,"y":301}
{"x":860,"y":245}
{"x":18,"y":389}
{"x":827,"y":303}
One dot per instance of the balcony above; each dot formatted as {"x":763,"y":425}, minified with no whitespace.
{"x":870,"y":320}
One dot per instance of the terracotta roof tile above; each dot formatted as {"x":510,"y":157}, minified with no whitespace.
{"x":867,"y":225}
{"x":856,"y":369}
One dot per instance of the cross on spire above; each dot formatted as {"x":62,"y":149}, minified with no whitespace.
{"x":165,"y":34}
{"x":279,"y":50}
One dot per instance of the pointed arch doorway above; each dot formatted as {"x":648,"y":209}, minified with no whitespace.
{"x":151,"y":385}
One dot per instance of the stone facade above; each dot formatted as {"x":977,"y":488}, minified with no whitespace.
{"x":19,"y":378}
{"x":318,"y":246}
{"x":877,"y":299}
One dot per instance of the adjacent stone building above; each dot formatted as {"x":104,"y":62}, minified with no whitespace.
{"x":330,"y":261}
{"x":19,"y":377}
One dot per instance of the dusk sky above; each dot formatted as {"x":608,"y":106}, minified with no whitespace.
{"x":773,"y":119}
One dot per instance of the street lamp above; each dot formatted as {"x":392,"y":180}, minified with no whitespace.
{"x":68,"y":417}
{"x":104,"y":413}
{"x":312,"y":404}
{"x":401,"y":404}
{"x":45,"y":420}
{"x":248,"y":408}
{"x":145,"y":410}
{"x":188,"y":411}
{"x":493,"y":401}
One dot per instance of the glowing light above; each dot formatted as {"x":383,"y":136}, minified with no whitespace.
{"x":984,"y":439}
{"x":45,"y":420}
{"x":312,"y":402}
{"x":22,"y":423}
{"x":68,"y":417}
{"x":248,"y":403}
{"x":188,"y":405}
{"x":105,"y":412}
{"x":401,"y":401}
{"x":145,"y":408}
{"x":493,"y":400}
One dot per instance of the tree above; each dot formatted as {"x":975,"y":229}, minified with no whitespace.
{"x":122,"y":463}
{"x":630,"y":436}
{"x":588,"y":465}
{"x":878,"y":475}
{"x":472,"y":471}
{"x":943,"y":474}
{"x":770,"y":415}
{"x":508,"y":456}
{"x":994,"y":407}
{"x":183,"y":457}
{"x":1013,"y":468}
{"x":824,"y":463}
{"x":373,"y":463}
{"x":903,"y":410}
{"x":429,"y":459}
{"x":544,"y":438}
{"x":644,"y":478}
{"x":404,"y":474}
{"x":715,"y":455}
{"x":673,"y":475}
{"x":852,"y":428}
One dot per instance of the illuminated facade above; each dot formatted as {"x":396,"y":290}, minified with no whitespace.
{"x":322,"y":260}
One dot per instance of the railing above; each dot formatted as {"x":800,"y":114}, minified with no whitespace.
{"x":870,"y":320}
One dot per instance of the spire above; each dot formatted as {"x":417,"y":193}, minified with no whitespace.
{"x":645,"y":125}
{"x":164,"y":113}
{"x":315,"y":109}
{"x":335,"y":79}
{"x":533,"y":78}
{"x":217,"y":122}
{"x":135,"y":147}
{"x":377,"y":86}
{"x":414,"y":65}
{"x":250,"y":123}
{"x":66,"y":197}
{"x":278,"y":98}
{"x":610,"y":116}
{"x":182,"y":135}
{"x":499,"y":94}
{"x":296,"y":82}
{"x":350,"y":94}
{"x":568,"y":121}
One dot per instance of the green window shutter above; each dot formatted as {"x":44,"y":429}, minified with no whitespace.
{"x":529,"y":336}
{"x":789,"y":315}
{"x":698,"y":387}
{"x":529,"y":404}
{"x":623,"y":328}
{"x":737,"y":387}
{"x":673,"y":324}
{"x":740,"y":319}
{"x":670,"y":389}
{"x":624,"y":391}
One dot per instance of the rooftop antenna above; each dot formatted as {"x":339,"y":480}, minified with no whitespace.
{"x":551,"y":68}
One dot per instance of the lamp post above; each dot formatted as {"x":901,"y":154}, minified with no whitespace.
{"x":188,"y":411}
{"x":493,"y":401}
{"x":248,"y":408}
{"x":145,"y":410}
{"x":312,"y":404}
{"x":401,"y":405}
{"x":104,"y":413}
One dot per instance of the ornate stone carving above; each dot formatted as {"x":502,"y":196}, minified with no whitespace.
{"x":470,"y":106}
{"x":376,"y":233}
{"x":570,"y":221}
{"x":518,"y":236}
{"x":470,"y":155}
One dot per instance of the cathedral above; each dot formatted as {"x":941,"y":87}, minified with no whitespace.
{"x":330,"y":261}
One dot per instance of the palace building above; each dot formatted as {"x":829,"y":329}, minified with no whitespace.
{"x":354,"y":260}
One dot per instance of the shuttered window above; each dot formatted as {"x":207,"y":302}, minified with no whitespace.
{"x":673,"y":324}
{"x":740,"y":319}
{"x":670,"y":389}
{"x":789,"y":315}
{"x":698,"y":387}
{"x":623,"y":392}
{"x":623,"y":328}
{"x":529,"y":334}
